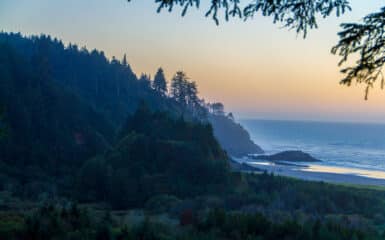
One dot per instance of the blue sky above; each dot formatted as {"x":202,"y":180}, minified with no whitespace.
{"x":255,"y":68}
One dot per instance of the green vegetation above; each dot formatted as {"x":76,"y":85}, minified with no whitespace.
{"x":263,"y":207}
{"x":110,"y":87}
{"x":46,"y":125}
{"x":154,"y":150}
{"x":73,"y":223}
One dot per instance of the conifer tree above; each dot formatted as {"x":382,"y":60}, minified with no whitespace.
{"x":217,"y":108}
{"x":124,"y":60}
{"x":178,"y":87}
{"x":145,"y":80}
{"x":185,"y":92}
{"x":160,"y":84}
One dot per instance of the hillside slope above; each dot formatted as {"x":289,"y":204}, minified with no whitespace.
{"x":110,"y":87}
{"x":233,"y":137}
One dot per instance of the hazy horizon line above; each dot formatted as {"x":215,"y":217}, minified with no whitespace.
{"x":242,"y":119}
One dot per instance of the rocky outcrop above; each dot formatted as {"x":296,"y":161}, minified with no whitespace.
{"x":290,"y":156}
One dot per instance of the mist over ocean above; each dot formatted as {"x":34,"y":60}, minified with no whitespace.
{"x":353,"y":145}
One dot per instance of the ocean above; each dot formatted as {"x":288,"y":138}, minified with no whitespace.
{"x":348,"y":145}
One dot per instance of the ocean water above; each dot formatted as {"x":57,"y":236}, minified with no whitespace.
{"x":349,"y":145}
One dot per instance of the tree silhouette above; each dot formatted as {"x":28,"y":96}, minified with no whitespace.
{"x":300,"y":15}
{"x":366,"y":39}
{"x":186,"y":93}
{"x":124,"y":60}
{"x":192,"y":94}
{"x":230,"y":116}
{"x":217,"y":108}
{"x":178,"y":87}
{"x":160,"y":83}
{"x":145,"y":80}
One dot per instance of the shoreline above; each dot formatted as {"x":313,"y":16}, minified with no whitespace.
{"x":317,"y":173}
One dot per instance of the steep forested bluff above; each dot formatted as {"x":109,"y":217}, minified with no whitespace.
{"x":55,"y":142}
{"x":112,"y":90}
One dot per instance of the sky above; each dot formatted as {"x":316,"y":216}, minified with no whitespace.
{"x":256,"y":68}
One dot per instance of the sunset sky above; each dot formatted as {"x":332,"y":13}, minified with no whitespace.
{"x":256,"y":68}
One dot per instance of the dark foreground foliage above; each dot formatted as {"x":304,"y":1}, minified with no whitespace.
{"x":72,"y":222}
{"x":259,"y":206}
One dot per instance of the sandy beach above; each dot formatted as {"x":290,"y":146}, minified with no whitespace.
{"x":329,"y":174}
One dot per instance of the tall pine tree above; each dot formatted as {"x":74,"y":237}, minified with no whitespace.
{"x":160,"y":84}
{"x":124,"y":60}
{"x":178,"y":87}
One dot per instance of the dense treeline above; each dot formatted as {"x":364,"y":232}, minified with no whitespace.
{"x":110,"y":87}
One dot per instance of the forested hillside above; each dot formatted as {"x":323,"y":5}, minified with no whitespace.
{"x":69,"y":118}
{"x":46,"y":126}
{"x":58,"y":145}
{"x":111,"y":88}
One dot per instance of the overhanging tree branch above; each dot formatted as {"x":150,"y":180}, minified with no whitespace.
{"x":367,"y":40}
{"x":300,"y":15}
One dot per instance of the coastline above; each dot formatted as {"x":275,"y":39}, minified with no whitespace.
{"x":318,"y":173}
